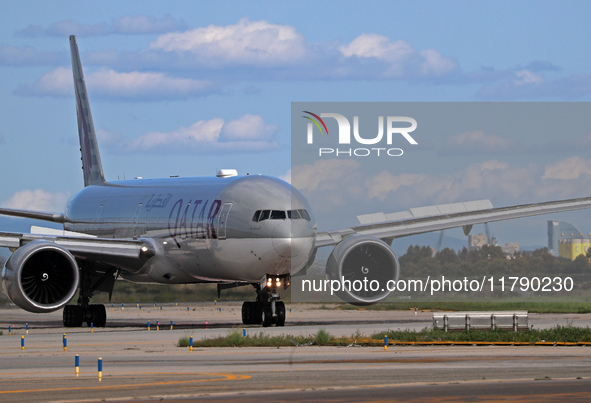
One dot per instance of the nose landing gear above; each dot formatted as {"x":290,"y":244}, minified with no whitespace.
{"x":268,"y":309}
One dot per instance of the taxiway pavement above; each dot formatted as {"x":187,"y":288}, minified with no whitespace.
{"x":144,"y":365}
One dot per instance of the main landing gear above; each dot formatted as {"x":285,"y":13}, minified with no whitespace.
{"x":267,"y":309}
{"x":93,"y":314}
{"x":75,"y":315}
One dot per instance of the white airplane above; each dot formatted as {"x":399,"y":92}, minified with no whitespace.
{"x":231,"y":230}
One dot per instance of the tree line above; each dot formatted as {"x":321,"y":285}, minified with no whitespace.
{"x":419,"y":261}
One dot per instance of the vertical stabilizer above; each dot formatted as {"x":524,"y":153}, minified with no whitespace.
{"x":91,"y":159}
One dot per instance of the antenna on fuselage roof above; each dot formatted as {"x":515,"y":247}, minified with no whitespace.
{"x":91,"y":158}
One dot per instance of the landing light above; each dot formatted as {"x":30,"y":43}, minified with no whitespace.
{"x":144,"y":249}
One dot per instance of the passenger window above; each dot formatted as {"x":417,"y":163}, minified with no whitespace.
{"x":277,"y":215}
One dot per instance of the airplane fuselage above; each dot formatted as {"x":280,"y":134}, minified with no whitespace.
{"x":205,"y":228}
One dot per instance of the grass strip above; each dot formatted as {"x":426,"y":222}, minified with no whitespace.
{"x":558,"y":335}
{"x":235,"y":338}
{"x":531,"y":307}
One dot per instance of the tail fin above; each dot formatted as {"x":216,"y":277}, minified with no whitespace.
{"x":91,"y":159}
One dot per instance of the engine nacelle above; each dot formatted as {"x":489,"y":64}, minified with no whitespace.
{"x":363,"y":262}
{"x":40,"y":277}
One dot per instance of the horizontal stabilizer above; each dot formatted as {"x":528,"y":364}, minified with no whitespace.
{"x":37,"y":215}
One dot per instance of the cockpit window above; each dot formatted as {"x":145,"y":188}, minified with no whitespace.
{"x":261,"y":215}
{"x":256,"y":216}
{"x":304,"y":214}
{"x":277,"y":215}
{"x":265,"y":215}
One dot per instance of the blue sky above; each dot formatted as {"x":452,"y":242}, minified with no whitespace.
{"x":183,"y":88}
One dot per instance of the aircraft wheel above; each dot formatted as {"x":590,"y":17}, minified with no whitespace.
{"x":266,"y":315}
{"x":73,"y":316}
{"x":246,"y":313}
{"x":97,"y":315}
{"x":280,"y":311}
{"x":257,"y":312}
{"x":251,"y":313}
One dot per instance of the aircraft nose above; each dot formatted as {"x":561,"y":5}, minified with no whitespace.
{"x":293,"y":240}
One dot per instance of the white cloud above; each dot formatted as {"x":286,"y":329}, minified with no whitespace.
{"x":256,"y":43}
{"x":322,"y":183}
{"x":201,"y":132}
{"x":38,"y":200}
{"x":477,"y":142}
{"x":477,"y":181}
{"x":137,"y":84}
{"x":248,"y":133}
{"x":141,"y":24}
{"x":378,"y":46}
{"x":286,"y":177}
{"x":277,"y":52}
{"x":109,"y":83}
{"x":345,"y":182}
{"x":127,"y":25}
{"x":525,"y":77}
{"x":525,"y":84}
{"x":71,"y":27}
{"x":322,"y":174}
{"x":568,"y":169}
{"x":379,"y":186}
{"x":58,"y":82}
{"x":247,"y":127}
{"x":221,"y":53}
{"x":27,"y":56}
{"x":402,"y":59}
{"x":434,"y":64}
{"x":339,"y":189}
{"x":107,"y":138}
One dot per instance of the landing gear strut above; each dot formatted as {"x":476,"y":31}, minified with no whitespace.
{"x":267,"y":309}
{"x":92,"y":314}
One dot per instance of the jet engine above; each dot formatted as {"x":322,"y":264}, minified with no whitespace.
{"x":363,"y":265}
{"x":40,"y":277}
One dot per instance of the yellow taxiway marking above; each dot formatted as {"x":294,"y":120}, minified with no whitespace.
{"x":223,"y":377}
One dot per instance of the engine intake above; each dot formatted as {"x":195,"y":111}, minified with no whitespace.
{"x":367,"y":264}
{"x":40,"y":277}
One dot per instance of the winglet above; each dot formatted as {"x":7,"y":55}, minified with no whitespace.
{"x":91,"y":159}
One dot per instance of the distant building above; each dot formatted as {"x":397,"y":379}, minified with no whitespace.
{"x":476,"y":242}
{"x":558,"y":230}
{"x":571,"y":248}
{"x":566,"y":241}
{"x":510,"y":248}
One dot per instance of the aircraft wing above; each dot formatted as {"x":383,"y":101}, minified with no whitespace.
{"x":126,"y":254}
{"x":123,"y":253}
{"x":412,"y":226}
